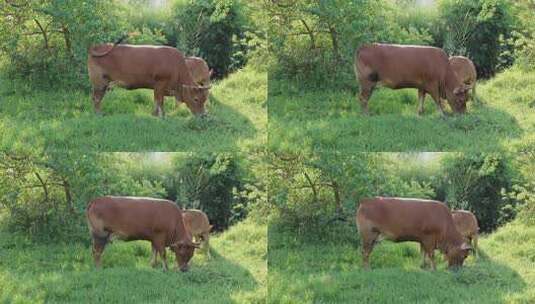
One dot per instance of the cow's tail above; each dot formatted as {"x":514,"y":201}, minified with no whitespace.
{"x":96,"y":53}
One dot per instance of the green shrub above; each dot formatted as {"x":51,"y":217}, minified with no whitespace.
{"x":479,"y":29}
{"x":210,"y":182}
{"x":211,"y":29}
{"x":480,"y":183}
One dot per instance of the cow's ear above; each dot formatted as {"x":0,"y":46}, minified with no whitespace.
{"x":210,"y":228}
{"x":211,"y":72}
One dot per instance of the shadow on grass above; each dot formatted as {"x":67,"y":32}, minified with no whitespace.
{"x":319,"y":272}
{"x":65,"y":273}
{"x":223,"y":129}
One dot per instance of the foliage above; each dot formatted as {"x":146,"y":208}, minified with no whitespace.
{"x":63,"y":272}
{"x":209,"y":182}
{"x":46,"y":41}
{"x":478,"y":182}
{"x":212,"y":29}
{"x":46,"y":195}
{"x":525,"y":45}
{"x":314,"y":41}
{"x":311,"y":190}
{"x":481,"y":30}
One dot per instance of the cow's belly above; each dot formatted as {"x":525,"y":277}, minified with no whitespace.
{"x":403,"y":84}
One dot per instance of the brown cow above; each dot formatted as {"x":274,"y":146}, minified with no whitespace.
{"x":200,"y":72}
{"x":399,"y":219}
{"x":408,"y":66}
{"x":199,"y":226}
{"x":160,"y":68}
{"x":465,"y":70}
{"x":466,"y":224}
{"x":138,"y":218}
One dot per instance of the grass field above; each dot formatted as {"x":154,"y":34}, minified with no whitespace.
{"x":65,"y":119}
{"x":330,"y":272}
{"x":64,"y":273}
{"x":327,"y":120}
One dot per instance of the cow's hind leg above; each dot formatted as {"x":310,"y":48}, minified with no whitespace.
{"x":97,"y":95}
{"x":369,"y":239}
{"x":366,"y":90}
{"x":474,"y":245}
{"x":206,"y":244}
{"x":99,"y":243}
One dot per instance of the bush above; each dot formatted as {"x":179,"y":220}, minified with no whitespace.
{"x":479,"y":29}
{"x":46,"y":196}
{"x":210,"y":182}
{"x":211,"y":29}
{"x":480,"y":183}
{"x":46,"y":41}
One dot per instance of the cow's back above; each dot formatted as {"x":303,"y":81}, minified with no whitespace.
{"x":399,"y":66}
{"x":196,"y":221}
{"x":199,"y":70}
{"x":465,"y":222}
{"x":405,"y":219}
{"x":133,"y":66}
{"x":134,"y":217}
{"x":464,"y":68}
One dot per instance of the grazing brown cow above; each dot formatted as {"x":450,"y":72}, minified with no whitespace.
{"x":160,"y":68}
{"x":465,"y":70}
{"x":406,"y":66}
{"x":138,"y":218}
{"x":199,"y":226}
{"x":200,"y":72}
{"x":466,"y":223}
{"x":399,"y":219}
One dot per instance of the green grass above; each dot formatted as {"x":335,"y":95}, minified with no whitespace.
{"x":330,"y":272}
{"x":332,"y":119}
{"x":64,"y":273}
{"x":65,"y":119}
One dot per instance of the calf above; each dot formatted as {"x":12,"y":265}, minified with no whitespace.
{"x":466,"y":224}
{"x":465,"y":70}
{"x":137,"y":218}
{"x":399,"y":219}
{"x":199,"y":226}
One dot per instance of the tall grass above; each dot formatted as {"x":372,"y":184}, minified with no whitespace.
{"x":64,"y":272}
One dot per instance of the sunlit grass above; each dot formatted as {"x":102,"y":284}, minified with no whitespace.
{"x":237,"y":118}
{"x":330,"y":272}
{"x":327,"y":120}
{"x":64,"y":273}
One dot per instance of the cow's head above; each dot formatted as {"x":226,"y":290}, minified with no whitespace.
{"x":195,"y":97}
{"x":184,"y":252}
{"x":457,"y":254}
{"x":457,"y":98}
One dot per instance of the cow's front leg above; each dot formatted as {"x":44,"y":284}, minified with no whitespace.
{"x":158,"y":103}
{"x":154,"y":257}
{"x":436,"y":97}
{"x":163,"y":255}
{"x":421,"y":99}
